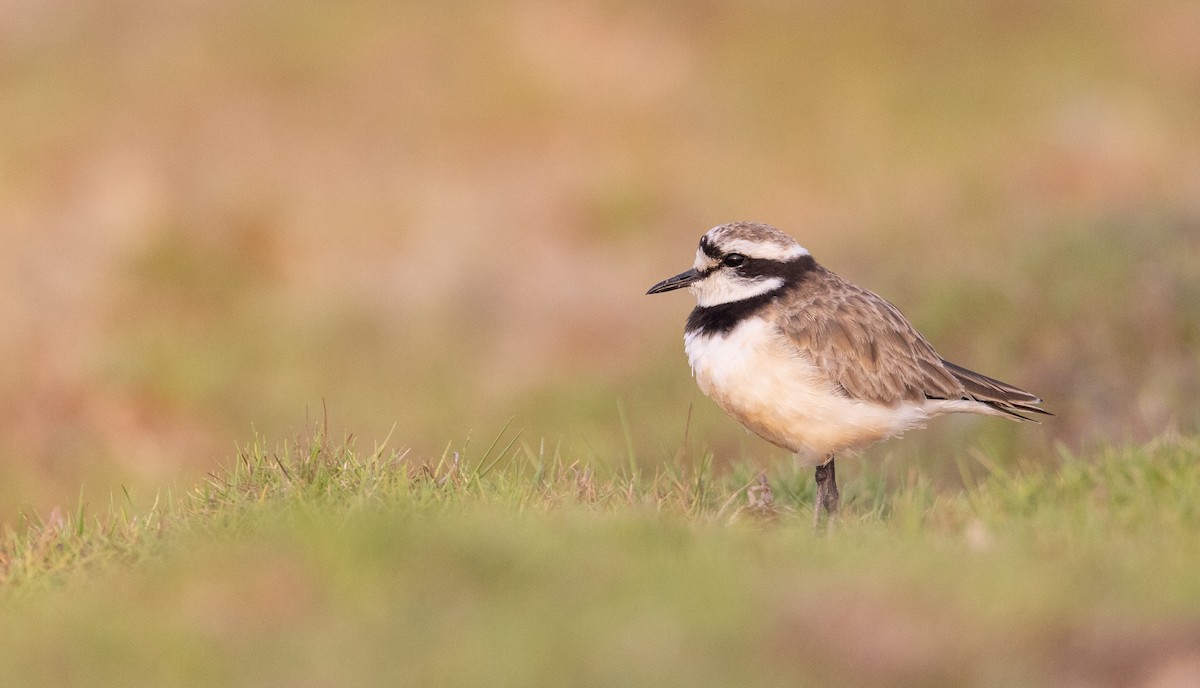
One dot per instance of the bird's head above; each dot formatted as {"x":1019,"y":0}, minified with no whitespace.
{"x":738,"y":261}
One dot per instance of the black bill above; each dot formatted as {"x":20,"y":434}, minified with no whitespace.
{"x":677,"y":282}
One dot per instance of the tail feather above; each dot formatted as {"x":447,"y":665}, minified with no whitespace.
{"x":999,"y":395}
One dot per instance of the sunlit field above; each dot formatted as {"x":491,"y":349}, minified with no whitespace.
{"x":397,"y":232}
{"x":321,"y":563}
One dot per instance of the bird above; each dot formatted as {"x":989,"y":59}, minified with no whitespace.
{"x":813,"y":363}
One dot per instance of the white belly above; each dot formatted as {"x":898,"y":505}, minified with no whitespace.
{"x":774,"y":390}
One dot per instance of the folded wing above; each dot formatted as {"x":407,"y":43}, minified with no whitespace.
{"x":869,"y":351}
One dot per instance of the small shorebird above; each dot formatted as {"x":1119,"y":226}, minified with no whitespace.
{"x":809,"y":361}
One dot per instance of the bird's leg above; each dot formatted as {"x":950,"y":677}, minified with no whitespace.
{"x":827,"y":493}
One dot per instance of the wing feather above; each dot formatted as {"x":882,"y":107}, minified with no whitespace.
{"x":864,"y":344}
{"x":868,"y":350}
{"x":999,"y":395}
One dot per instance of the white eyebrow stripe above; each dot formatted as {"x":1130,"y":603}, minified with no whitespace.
{"x":769,"y":251}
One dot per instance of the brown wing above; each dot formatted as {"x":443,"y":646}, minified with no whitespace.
{"x":870,"y":351}
{"x":999,"y":395}
{"x":864,"y":344}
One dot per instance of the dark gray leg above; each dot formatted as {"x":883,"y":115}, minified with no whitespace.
{"x":827,"y":493}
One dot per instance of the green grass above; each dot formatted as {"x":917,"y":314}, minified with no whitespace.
{"x":441,"y":215}
{"x":324,"y":564}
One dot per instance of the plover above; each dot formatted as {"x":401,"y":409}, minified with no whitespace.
{"x":811,"y":362}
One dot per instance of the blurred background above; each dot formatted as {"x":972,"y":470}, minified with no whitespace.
{"x":221,"y":217}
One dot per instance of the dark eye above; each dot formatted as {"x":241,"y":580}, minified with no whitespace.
{"x":733,"y":260}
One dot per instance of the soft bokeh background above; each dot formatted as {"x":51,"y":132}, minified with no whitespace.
{"x":220,"y":217}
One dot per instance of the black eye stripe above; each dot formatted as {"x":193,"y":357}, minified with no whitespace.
{"x":765,"y":267}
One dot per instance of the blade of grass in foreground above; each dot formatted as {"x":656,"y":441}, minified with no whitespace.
{"x":318,"y":565}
